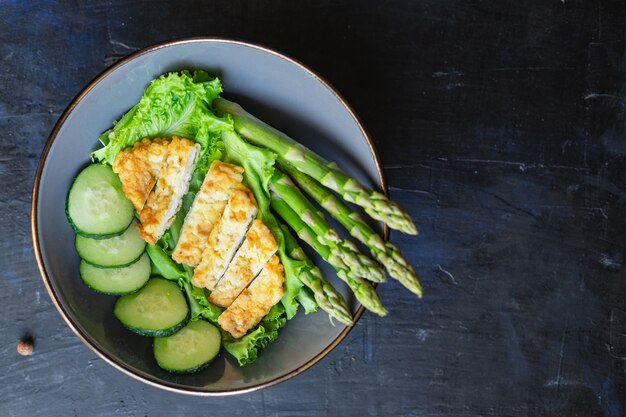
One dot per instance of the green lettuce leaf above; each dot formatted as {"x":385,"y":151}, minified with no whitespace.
{"x":163,"y":265}
{"x":176,"y":104}
{"x":209,"y":311}
{"x":246,"y":349}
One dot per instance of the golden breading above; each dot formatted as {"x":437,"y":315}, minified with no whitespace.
{"x":205,"y":211}
{"x":255,"y":301}
{"x":173,"y":181}
{"x":138,"y":167}
{"x":256,"y":249}
{"x":225,"y":238}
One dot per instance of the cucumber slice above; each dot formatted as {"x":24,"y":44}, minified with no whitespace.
{"x":118,"y":251}
{"x":191,"y":349}
{"x":158,"y":309}
{"x":117,"y":281}
{"x":96,"y":205}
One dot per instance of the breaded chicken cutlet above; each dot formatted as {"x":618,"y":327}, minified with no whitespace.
{"x":255,"y":301}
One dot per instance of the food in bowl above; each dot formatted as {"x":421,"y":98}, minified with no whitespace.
{"x":187,"y":214}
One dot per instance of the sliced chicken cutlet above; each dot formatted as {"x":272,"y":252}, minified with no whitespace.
{"x":225,"y":238}
{"x":255,"y":251}
{"x":255,"y":301}
{"x":138,"y":167}
{"x":205,"y":211}
{"x":173,"y":181}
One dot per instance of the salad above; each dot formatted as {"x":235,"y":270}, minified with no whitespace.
{"x":188,"y":214}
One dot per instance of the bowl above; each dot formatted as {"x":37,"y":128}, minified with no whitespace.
{"x":274,"y":87}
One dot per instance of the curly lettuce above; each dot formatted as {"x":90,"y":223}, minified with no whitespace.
{"x":176,"y":104}
{"x":246,"y":349}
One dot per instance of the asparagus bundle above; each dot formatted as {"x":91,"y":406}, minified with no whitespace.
{"x":385,"y":252}
{"x":358,"y":263}
{"x":376,"y":204}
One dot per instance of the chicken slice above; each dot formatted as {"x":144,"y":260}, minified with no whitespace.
{"x":255,"y":301}
{"x":255,"y":251}
{"x":225,"y":238}
{"x":205,"y":211}
{"x":173,"y":181}
{"x":138,"y":167}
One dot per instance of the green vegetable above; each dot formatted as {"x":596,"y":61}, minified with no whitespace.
{"x":189,"y":350}
{"x":377,"y":205}
{"x":176,"y":104}
{"x":199,"y":302}
{"x":116,"y":251}
{"x":307,"y":300}
{"x":96,"y":206}
{"x":246,"y":349}
{"x":116,"y":280}
{"x":164,"y":265}
{"x":359,"y":264}
{"x":325,"y":295}
{"x":157,"y":309}
{"x":385,"y":252}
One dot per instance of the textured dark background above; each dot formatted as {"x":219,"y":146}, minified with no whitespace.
{"x":501,"y":125}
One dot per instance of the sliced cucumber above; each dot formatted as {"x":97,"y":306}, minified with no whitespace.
{"x":158,"y":309}
{"x":117,"y":281}
{"x":121,"y":250}
{"x":96,"y":204}
{"x":191,"y":349}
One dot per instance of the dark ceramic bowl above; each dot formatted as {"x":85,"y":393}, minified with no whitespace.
{"x":277,"y":89}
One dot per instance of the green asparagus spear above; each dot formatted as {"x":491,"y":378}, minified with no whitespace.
{"x":329,"y":299}
{"x":387,"y":253}
{"x":362,"y":289}
{"x":376,"y":204}
{"x":358,"y":263}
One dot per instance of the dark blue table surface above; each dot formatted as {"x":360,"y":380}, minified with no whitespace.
{"x":501,"y":126}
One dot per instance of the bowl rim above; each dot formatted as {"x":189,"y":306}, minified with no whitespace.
{"x":83,"y":336}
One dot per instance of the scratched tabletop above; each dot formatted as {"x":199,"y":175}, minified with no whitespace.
{"x":502,"y":129}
